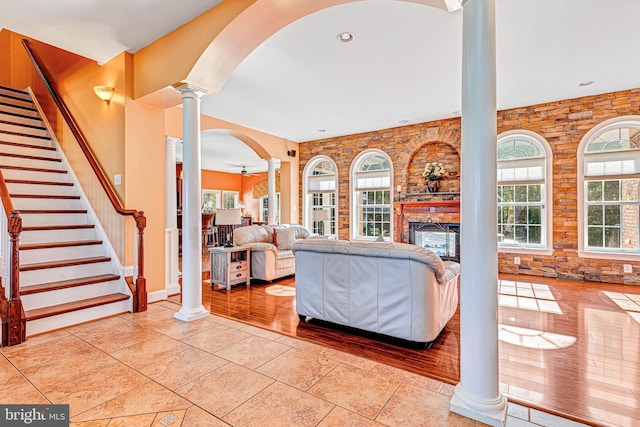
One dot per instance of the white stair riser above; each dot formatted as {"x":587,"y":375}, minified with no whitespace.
{"x":30,"y":163}
{"x":44,"y":189}
{"x":12,"y":109}
{"x":21,"y":120}
{"x":58,"y":254}
{"x":40,"y":176}
{"x":36,"y":203}
{"x":52,"y":236}
{"x":26,"y":140}
{"x":63,"y":320}
{"x":63,"y":296}
{"x":30,"y":151}
{"x":54,"y":219}
{"x":22,"y":129}
{"x":64,"y":273}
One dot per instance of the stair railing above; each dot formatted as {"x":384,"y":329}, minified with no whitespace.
{"x":140,"y":291}
{"x":13,"y":327}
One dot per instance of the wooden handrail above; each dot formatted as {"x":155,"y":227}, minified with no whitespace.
{"x":7,"y":203}
{"x":84,"y":146}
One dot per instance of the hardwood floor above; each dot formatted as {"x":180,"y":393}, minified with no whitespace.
{"x":571,"y":348}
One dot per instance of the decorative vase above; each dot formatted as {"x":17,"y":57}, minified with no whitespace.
{"x":433,"y":186}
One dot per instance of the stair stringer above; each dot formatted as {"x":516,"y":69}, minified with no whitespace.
{"x":117,"y":266}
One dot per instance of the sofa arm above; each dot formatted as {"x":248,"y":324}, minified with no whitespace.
{"x":451,"y":270}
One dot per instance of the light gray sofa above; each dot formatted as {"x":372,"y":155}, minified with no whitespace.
{"x":395,"y":289}
{"x":270,"y":261}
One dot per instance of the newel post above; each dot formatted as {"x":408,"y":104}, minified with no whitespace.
{"x":17,"y":330}
{"x":140,"y":303}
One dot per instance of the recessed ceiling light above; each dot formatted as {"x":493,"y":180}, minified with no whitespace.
{"x":345,"y":37}
{"x":322,"y":130}
{"x":586,"y":83}
{"x":403,"y":121}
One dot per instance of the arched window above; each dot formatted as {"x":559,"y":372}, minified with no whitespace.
{"x":371,"y":196}
{"x":524,"y":185}
{"x":609,"y":161}
{"x":321,"y":196}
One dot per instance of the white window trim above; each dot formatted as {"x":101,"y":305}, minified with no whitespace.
{"x":547,"y":249}
{"x":236,"y":197}
{"x":210,"y":191}
{"x":631,"y":120}
{"x":307,"y":205}
{"x":353,"y":211}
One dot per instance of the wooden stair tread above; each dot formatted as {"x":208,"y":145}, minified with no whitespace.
{"x":30,"y":146}
{"x":8,"y":122}
{"x":34,"y":182}
{"x":17,"y":98}
{"x":32,"y":169}
{"x":8,"y":132}
{"x":64,"y":263}
{"x":54,"y":310}
{"x":6,"y":104}
{"x":56,"y":227}
{"x":22,"y":116}
{"x":53,"y":245}
{"x":63,"y":284}
{"x":43,"y":196}
{"x":24,"y":156}
{"x":52,"y":211}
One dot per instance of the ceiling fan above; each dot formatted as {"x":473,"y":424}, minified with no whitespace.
{"x":244,"y":172}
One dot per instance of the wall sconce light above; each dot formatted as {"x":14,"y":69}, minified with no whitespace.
{"x":291,"y":153}
{"x":104,"y":92}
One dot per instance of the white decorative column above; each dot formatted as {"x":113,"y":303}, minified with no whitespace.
{"x":272,"y":164}
{"x":171,"y":221}
{"x":477,"y":396}
{"x":192,"y":307}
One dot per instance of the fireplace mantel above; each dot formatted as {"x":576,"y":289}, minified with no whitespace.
{"x":421,"y":207}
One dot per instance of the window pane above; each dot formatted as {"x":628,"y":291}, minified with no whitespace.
{"x":507,"y":194}
{"x":520,"y":214}
{"x":521,"y":194}
{"x":594,"y":191}
{"x":594,"y":238}
{"x":612,"y":215}
{"x":535,"y":215}
{"x":630,"y":189}
{"x":612,"y":237}
{"x":535,"y":193}
{"x":630,"y":215}
{"x":594,"y":215}
{"x":521,"y":234}
{"x":612,"y":190}
{"x":535,"y":234}
{"x":500,"y":193}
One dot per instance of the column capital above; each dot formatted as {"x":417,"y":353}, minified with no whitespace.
{"x":171,"y":140}
{"x":189,"y":89}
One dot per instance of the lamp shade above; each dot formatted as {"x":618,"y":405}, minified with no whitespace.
{"x":104,"y":92}
{"x":321,"y":215}
{"x":228,"y":217}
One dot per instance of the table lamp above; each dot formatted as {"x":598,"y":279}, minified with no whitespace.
{"x":228,"y":218}
{"x":321,"y":215}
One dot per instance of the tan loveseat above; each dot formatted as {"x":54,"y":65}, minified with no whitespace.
{"x":395,"y":289}
{"x":271,"y":255}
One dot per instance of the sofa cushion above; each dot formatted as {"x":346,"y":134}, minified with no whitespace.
{"x":284,"y":238}
{"x":251,"y":234}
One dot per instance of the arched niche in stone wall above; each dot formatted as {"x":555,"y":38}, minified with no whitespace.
{"x":439,"y":152}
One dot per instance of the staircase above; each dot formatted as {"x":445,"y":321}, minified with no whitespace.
{"x":66,"y":274}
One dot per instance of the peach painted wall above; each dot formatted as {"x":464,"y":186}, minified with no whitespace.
{"x":5,"y":55}
{"x":145,"y":159}
{"x":250,"y":204}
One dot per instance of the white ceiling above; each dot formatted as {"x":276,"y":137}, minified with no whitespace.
{"x":404,"y":63}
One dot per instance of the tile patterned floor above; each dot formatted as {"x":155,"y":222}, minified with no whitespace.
{"x":148,"y":369}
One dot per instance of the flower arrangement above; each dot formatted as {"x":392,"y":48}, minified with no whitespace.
{"x":433,"y":171}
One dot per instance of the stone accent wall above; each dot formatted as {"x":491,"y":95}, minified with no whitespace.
{"x":563,"y":124}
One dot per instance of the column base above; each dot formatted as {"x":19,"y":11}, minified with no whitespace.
{"x":491,"y":412}
{"x":191,"y":315}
